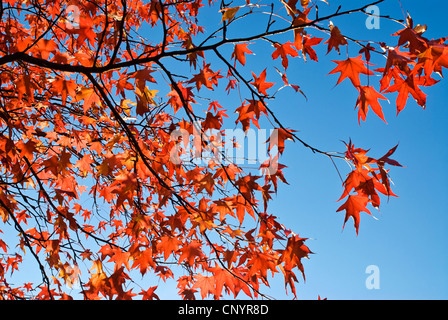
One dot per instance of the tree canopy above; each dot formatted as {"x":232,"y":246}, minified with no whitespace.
{"x":122,"y":129}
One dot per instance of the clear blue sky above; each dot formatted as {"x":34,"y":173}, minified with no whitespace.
{"x":408,"y":241}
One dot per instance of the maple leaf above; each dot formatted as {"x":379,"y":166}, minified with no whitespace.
{"x":65,"y":87}
{"x":45,"y":47}
{"x":144,"y":260}
{"x":122,"y":84}
{"x":145,"y":98}
{"x":250,"y":112}
{"x":89,"y":96}
{"x":176,"y":101}
{"x":3,"y":246}
{"x":141,"y":77}
{"x":239,"y":53}
{"x":353,"y":180}
{"x":307,"y":46}
{"x":385,"y":159}
{"x":212,"y":121}
{"x":283,"y":50}
{"x":205,"y":284}
{"x":407,"y":86}
{"x":260,"y":82}
{"x":368,"y":96}
{"x":278,"y":137}
{"x":292,"y":256}
{"x":84,"y":164}
{"x":433,"y":59}
{"x":167,"y":245}
{"x":164,"y":272}
{"x":190,"y":252}
{"x":358,"y":156}
{"x":206,"y":77}
{"x":351,"y":68}
{"x":415,"y":41}
{"x":149,"y":294}
{"x":336,"y":39}
{"x":260,"y":262}
{"x":353,"y":206}
{"x":399,"y":59}
{"x":222,"y":278}
{"x":25,"y":87}
{"x":366,"y":50}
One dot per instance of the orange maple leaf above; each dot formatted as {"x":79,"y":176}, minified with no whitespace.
{"x":283,"y":50}
{"x":239,"y":53}
{"x":307,"y":46}
{"x":65,"y":87}
{"x":190,"y":252}
{"x":205,"y":284}
{"x":351,"y":68}
{"x":278,"y":137}
{"x":407,"y":86}
{"x":369,"y":97}
{"x":353,"y":206}
{"x":260,"y":82}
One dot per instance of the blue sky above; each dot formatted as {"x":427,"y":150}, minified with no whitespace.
{"x":407,"y":242}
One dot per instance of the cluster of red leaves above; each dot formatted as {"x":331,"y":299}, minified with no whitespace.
{"x":408,"y":71}
{"x":405,"y":71}
{"x":365,"y":181}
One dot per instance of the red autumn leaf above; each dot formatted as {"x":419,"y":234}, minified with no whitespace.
{"x":205,"y":284}
{"x":278,"y":137}
{"x":353,"y":180}
{"x":401,"y":60}
{"x":144,"y":260}
{"x":206,"y":77}
{"x":282,"y":51}
{"x":369,"y":97}
{"x":307,"y":47}
{"x":229,"y":13}
{"x":383,"y":173}
{"x":260,"y":263}
{"x":358,"y":156}
{"x":223,"y":279}
{"x":336,"y":39}
{"x":45,"y":47}
{"x":239,"y":52}
{"x":366,"y":50}
{"x":386,"y":159}
{"x":353,"y":206}
{"x":65,"y":88}
{"x":89,"y":96}
{"x":260,"y":82}
{"x":415,"y":41}
{"x":150,"y":294}
{"x":190,"y":252}
{"x":168,"y":245}
{"x":351,"y":68}
{"x":407,"y":86}
{"x":433,"y":59}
